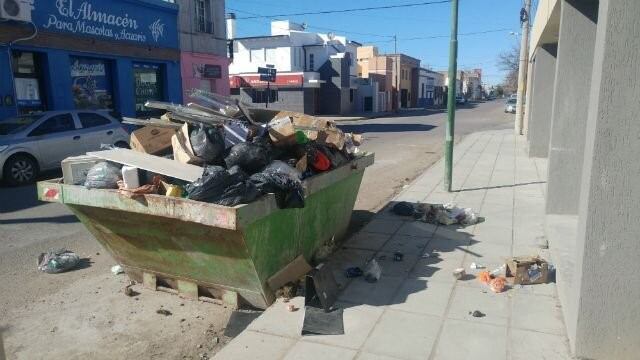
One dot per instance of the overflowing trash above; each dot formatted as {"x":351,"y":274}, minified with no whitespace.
{"x":444,"y":214}
{"x":527,"y":270}
{"x":117,"y":270}
{"x":58,"y":261}
{"x":220,"y":151}
{"x":459,"y":273}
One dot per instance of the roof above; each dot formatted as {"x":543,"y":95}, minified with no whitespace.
{"x":402,"y":55}
{"x":262,"y":37}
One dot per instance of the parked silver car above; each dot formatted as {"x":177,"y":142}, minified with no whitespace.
{"x":33,"y":143}
{"x":510,"y":106}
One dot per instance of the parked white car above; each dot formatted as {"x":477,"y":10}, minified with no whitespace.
{"x":33,"y":143}
{"x":510,"y":106}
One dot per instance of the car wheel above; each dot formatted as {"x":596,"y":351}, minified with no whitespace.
{"x":20,"y":170}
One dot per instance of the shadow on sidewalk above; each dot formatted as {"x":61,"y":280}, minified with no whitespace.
{"x":385,"y":128}
{"x":501,"y":186}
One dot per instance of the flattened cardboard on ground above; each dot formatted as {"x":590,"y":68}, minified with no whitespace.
{"x":292,"y":272}
{"x":527,"y":270}
{"x":156,"y":164}
{"x":151,"y":139}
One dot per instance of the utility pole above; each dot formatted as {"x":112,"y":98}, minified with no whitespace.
{"x":523,"y":66}
{"x":397,"y":80}
{"x":451,"y":98}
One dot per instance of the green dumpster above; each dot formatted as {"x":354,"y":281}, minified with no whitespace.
{"x":202,"y":249}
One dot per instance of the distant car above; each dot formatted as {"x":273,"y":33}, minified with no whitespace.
{"x":460,"y":100}
{"x":513,"y":96}
{"x":510,"y":106}
{"x":33,"y":143}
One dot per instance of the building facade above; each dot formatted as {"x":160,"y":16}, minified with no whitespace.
{"x":430,"y":88}
{"x":316,"y":73}
{"x":203,"y":46}
{"x":93,"y":54}
{"x":472,"y":84}
{"x":581,"y":114}
{"x":374,"y":92}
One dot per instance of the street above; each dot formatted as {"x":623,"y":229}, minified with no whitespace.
{"x":85,"y":312}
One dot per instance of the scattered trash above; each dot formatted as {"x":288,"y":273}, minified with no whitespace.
{"x":497,"y":285}
{"x":484,"y":277}
{"x":373,"y":271}
{"x":319,"y":322}
{"x":475,"y":266}
{"x":353,"y":272}
{"x":117,"y":270}
{"x":292,"y":308}
{"x":164,"y":312}
{"x":447,"y":214}
{"x":54,"y":262}
{"x":459,"y":273}
{"x":477,"y":313}
{"x":321,"y":289}
{"x":130,"y":177}
{"x":103,"y":175}
{"x":499,"y":271}
{"x":398,"y":256}
{"x":542,"y":242}
{"x":527,"y":270}
{"x":129,"y":291}
{"x":403,"y":208}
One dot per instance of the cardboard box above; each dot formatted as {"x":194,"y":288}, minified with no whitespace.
{"x":281,"y":131}
{"x":527,"y":270}
{"x":182,"y":150}
{"x":75,"y":168}
{"x":151,"y":140}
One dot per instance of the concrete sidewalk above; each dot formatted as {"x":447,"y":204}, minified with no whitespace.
{"x":417,"y":310}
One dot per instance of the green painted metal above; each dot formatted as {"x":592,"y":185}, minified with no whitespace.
{"x":222,"y":248}
{"x":451,"y":98}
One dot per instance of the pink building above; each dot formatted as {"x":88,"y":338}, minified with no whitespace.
{"x":203,"y":47}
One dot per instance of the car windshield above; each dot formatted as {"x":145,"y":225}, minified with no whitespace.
{"x":16,"y":124}
{"x":511,"y":101}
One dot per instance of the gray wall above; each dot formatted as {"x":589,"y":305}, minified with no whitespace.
{"x":608,"y":324}
{"x":541,"y":100}
{"x":570,"y":102}
{"x":293,"y":99}
{"x":191,"y":40}
{"x":334,"y":93}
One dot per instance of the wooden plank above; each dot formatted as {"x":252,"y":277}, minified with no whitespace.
{"x":187,"y":289}
{"x":151,"y":163}
{"x":149,"y":280}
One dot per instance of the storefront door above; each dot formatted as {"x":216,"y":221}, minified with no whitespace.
{"x":27,"y":74}
{"x":148,"y":86}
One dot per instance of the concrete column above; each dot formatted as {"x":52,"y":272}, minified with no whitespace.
{"x":608,"y":266}
{"x":570,"y":102}
{"x":540,"y":105}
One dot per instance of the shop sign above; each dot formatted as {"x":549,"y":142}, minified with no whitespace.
{"x":91,"y":85}
{"x":111,"y":20}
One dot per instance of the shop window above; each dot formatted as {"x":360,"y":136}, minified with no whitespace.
{"x":27,"y":76}
{"x":55,"y":124}
{"x":259,"y":96}
{"x":203,"y":18}
{"x":91,"y":83}
{"x":270,"y":55}
{"x":89,"y":120}
{"x":148,"y":86}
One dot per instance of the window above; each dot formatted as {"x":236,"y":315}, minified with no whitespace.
{"x":260,"y":96}
{"x":91,"y":83}
{"x":203,"y":24}
{"x":89,"y":120}
{"x":256,"y":55}
{"x":422,"y":90}
{"x":27,"y":80}
{"x":350,"y":95}
{"x":270,"y":55}
{"x":147,"y":86}
{"x":311,"y":63}
{"x":55,"y":124}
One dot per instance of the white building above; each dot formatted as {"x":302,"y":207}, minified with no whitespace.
{"x":316,"y":73}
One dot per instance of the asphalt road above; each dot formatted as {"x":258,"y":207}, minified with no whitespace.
{"x":404,"y":145}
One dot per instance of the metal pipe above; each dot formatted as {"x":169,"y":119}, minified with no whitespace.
{"x":451,"y":99}
{"x":522,"y":66}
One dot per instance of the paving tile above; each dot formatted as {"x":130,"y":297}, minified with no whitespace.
{"x":532,"y":345}
{"x":423,"y":297}
{"x":383,"y":226}
{"x":403,"y":335}
{"x":359,"y":320}
{"x":313,"y":351}
{"x":391,"y":267}
{"x":467,"y":299}
{"x":406,"y":244}
{"x":366,"y":240}
{"x":467,"y":340}
{"x":379,"y":293}
{"x":412,"y":196}
{"x":255,"y":346}
{"x":538,"y":313}
{"x":486,"y":253}
{"x":369,"y":356}
{"x":496,"y":234}
{"x":417,"y":228}
{"x":461,"y":234}
{"x":342,"y":259}
{"x":277,"y":320}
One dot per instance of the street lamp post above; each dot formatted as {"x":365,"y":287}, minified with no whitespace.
{"x":451,"y":98}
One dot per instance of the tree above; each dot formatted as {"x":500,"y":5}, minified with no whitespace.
{"x":509,"y":61}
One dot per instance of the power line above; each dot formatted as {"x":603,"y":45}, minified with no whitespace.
{"x":348,"y":10}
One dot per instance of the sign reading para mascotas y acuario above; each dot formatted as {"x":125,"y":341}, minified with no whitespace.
{"x":149,"y":22}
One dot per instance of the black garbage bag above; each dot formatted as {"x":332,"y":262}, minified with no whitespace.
{"x":288,"y":190}
{"x":336,"y":157}
{"x":210,"y":186}
{"x":238,"y":193}
{"x":103,"y":175}
{"x":208,"y":143}
{"x":250,"y":157}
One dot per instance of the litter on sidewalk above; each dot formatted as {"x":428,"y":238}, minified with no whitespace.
{"x":527,"y":270}
{"x":58,"y":261}
{"x":444,"y":214}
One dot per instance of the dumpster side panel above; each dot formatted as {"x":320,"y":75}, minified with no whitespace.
{"x":186,"y":250}
{"x":275,"y":240}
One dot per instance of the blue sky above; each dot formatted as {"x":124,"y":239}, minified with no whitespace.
{"x":370,"y":27}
